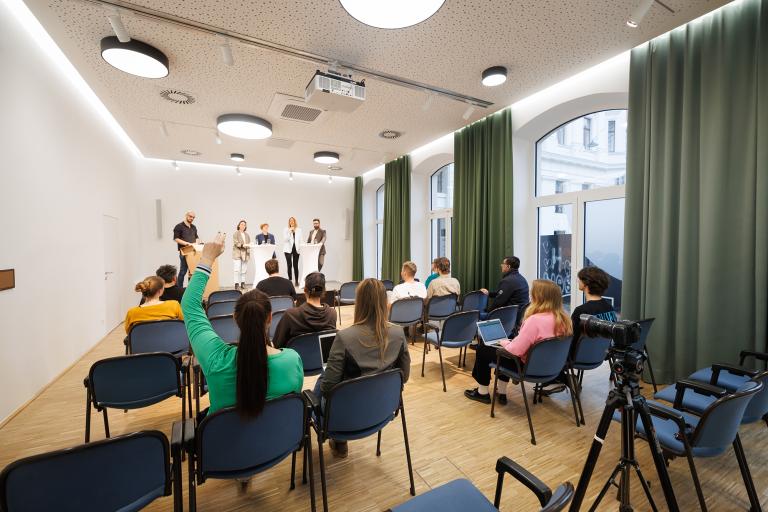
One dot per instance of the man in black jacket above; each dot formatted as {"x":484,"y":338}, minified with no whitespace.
{"x":512,"y":289}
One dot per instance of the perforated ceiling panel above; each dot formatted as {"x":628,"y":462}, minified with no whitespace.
{"x":540,"y":41}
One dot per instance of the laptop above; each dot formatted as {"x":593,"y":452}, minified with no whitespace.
{"x":326,"y":342}
{"x":491,"y":332}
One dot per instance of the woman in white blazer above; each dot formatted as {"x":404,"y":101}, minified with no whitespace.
{"x":291,"y":248}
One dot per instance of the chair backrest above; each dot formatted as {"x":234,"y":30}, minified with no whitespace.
{"x":308,"y":347}
{"x":276,"y":317}
{"x":231,"y":447}
{"x":223,"y":296}
{"x":757,"y":408}
{"x":226,"y":327}
{"x":590,"y":352}
{"x":645,"y":328}
{"x":507,"y":315}
{"x":138,"y":380}
{"x":439,"y":307}
{"x":460,"y":327}
{"x":475,"y":300}
{"x":547,"y":357}
{"x":521,"y":314}
{"x":222,"y":308}
{"x":281,"y":303}
{"x":363,"y":404}
{"x":720,"y":422}
{"x":406,"y":311}
{"x":347,"y":290}
{"x":123,"y":473}
{"x":159,"y":336}
{"x":388,"y":285}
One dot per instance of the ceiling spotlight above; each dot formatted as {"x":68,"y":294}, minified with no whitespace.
{"x":175,"y":165}
{"x":427,"y":102}
{"x":290,"y":176}
{"x":218,"y":138}
{"x":237,"y":170}
{"x":226,"y":53}
{"x":237,"y":157}
{"x":494,"y":76}
{"x":244,"y":126}
{"x":326,"y":157}
{"x":163,"y":129}
{"x":392,"y":13}
{"x":468,"y":112}
{"x":330,"y":179}
{"x":134,"y":57}
{"x":117,"y":26}
{"x":639,"y":12}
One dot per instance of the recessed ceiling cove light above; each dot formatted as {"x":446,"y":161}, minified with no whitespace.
{"x":391,"y":13}
{"x":244,"y":126}
{"x":639,"y":12}
{"x":237,"y":157}
{"x":326,"y":157}
{"x":496,"y":75}
{"x":134,"y":57}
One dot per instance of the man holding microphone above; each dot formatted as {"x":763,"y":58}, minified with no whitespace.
{"x":184,"y":234}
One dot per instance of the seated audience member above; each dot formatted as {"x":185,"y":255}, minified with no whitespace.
{"x":512,"y":289}
{"x":443,"y":284}
{"x":434,"y":275}
{"x":409,"y":287}
{"x":312,"y":316}
{"x":248,"y":374}
{"x":275,"y":284}
{"x":371,"y":345}
{"x":171,"y":291}
{"x":153,"y":307}
{"x":544,"y":318}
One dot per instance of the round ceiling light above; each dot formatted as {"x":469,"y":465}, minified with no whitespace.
{"x":237,"y":157}
{"x":326,"y":157}
{"x":391,"y":13}
{"x":244,"y":126}
{"x":134,"y":57}
{"x":496,"y":75}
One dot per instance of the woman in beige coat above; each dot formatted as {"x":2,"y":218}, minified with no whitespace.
{"x":241,"y":253}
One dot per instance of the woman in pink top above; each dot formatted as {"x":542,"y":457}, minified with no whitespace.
{"x":544,"y":318}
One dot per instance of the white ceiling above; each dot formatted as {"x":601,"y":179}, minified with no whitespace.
{"x":540,"y":41}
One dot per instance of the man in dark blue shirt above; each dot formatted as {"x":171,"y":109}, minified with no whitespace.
{"x":512,"y":289}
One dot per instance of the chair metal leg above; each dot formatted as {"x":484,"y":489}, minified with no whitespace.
{"x":87,"y":415}
{"x":378,"y":445}
{"x":106,"y":422}
{"x":293,"y":470}
{"x":650,"y":370}
{"x":493,"y":392}
{"x":754,"y":501}
{"x":308,"y":455}
{"x":695,"y":476}
{"x":178,"y":497}
{"x":322,"y":472}
{"x":407,"y":448}
{"x":528,"y":412}
{"x":573,"y":398}
{"x":577,"y":396}
{"x":442,"y":372}
{"x":424,"y":356}
{"x":192,"y":491}
{"x":304,"y":461}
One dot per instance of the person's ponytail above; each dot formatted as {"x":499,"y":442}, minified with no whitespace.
{"x":251,"y":313}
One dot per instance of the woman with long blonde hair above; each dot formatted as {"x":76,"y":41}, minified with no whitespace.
{"x":544,"y":318}
{"x":370,"y":345}
{"x":292,"y":249}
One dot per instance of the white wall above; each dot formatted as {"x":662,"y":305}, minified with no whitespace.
{"x":62,"y":169}
{"x":220,"y":199}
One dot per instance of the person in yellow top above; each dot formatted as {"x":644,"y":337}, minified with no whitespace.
{"x":153,"y":308}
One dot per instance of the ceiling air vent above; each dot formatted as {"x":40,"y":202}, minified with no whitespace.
{"x":300,"y":113}
{"x":178,"y":97}
{"x":390,"y":134}
{"x":293,"y":108}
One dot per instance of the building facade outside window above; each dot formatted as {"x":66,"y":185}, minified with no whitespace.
{"x":441,"y":211}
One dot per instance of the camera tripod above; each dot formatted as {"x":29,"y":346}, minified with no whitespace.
{"x":626,"y":397}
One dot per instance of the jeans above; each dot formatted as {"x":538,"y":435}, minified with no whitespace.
{"x":241,"y":268}
{"x":183,"y":269}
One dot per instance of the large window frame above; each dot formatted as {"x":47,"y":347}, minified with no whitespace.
{"x":441,"y":213}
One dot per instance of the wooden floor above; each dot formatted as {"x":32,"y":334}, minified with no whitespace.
{"x":450,"y":436}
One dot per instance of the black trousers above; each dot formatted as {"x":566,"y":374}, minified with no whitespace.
{"x":484,"y":356}
{"x":183,"y":269}
{"x":292,"y":258}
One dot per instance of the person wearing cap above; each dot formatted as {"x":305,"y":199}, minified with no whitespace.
{"x":312,"y":316}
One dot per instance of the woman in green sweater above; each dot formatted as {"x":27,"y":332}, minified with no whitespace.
{"x":248,"y":374}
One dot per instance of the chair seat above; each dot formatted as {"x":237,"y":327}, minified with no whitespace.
{"x":483,"y":315}
{"x":346,"y":301}
{"x":513,"y":374}
{"x":347,"y":435}
{"x":455,"y":496}
{"x":249,"y":472}
{"x":586,"y":366}
{"x":432,"y":339}
{"x":726,"y":380}
{"x":691,"y":400}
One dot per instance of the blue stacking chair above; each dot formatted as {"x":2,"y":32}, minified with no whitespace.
{"x":640,"y":346}
{"x":388,"y":285}
{"x":124,"y":473}
{"x":519,"y":320}
{"x":588,"y":354}
{"x":461,"y":496}
{"x":508,"y":316}
{"x":222,"y":308}
{"x":407,"y":312}
{"x":281,"y":303}
{"x":458,"y":331}
{"x":226,"y":327}
{"x":475,"y":301}
{"x":224,"y":296}
{"x":346,"y":295}
{"x":728,"y":376}
{"x":133,"y":382}
{"x":358,"y":408}
{"x":158,"y":336}
{"x":683,"y":433}
{"x":546,"y":360}
{"x":226,"y":446}
{"x":308,"y":347}
{"x":276,"y":317}
{"x":437,"y":309}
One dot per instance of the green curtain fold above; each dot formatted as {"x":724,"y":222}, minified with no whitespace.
{"x":357,"y":232}
{"x":396,"y":246}
{"x":696,"y":224}
{"x":482,"y":201}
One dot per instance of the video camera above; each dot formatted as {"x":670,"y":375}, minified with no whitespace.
{"x":626,"y":360}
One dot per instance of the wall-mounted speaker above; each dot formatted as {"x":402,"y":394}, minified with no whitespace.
{"x":347,"y":224}
{"x":159,"y":218}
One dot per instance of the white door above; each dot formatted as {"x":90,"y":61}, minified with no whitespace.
{"x":112,"y":313}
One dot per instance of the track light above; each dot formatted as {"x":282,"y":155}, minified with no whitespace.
{"x":244,"y":126}
{"x":494,"y":76}
{"x":117,"y":26}
{"x":237,"y":170}
{"x":226,"y":53}
{"x":290,"y":176}
{"x":134,"y":57}
{"x":175,"y":165}
{"x":468,"y":112}
{"x":218,"y":138}
{"x":163,"y":129}
{"x":330,"y":179}
{"x":326,"y":157}
{"x":639,"y":12}
{"x":237,"y":157}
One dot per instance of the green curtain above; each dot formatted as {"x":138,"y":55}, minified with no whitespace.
{"x":396,"y":246}
{"x":696,"y":224}
{"x":357,"y":232}
{"x":482,"y":201}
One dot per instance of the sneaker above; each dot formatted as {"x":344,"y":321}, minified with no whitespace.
{"x":557,"y":388}
{"x":501,"y":398}
{"x":339,"y":448}
{"x":472,"y":394}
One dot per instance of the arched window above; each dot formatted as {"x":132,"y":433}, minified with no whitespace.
{"x":441,"y":211}
{"x":580,"y":173}
{"x":379,"y":228}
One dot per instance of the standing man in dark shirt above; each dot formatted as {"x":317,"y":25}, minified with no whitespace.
{"x":512,"y":289}
{"x":184,"y":234}
{"x":275,"y":285}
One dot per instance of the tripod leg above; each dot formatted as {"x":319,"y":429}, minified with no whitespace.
{"x":611,"y":480}
{"x":658,"y":459}
{"x":646,"y":489}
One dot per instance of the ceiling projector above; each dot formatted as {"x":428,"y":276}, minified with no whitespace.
{"x":334,"y":91}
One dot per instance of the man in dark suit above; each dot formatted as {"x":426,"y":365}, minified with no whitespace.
{"x":265,"y":237}
{"x":317,"y":236}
